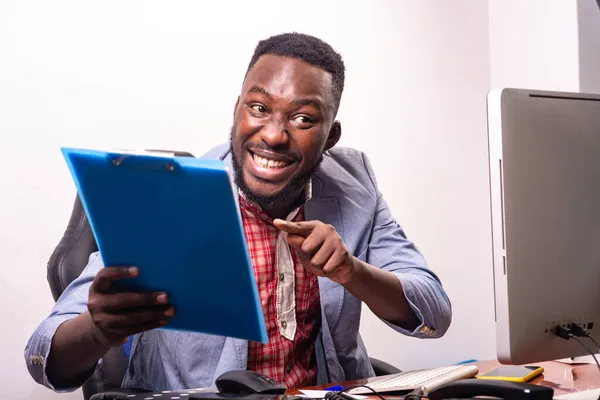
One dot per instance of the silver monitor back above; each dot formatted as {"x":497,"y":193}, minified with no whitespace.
{"x":544,"y":152}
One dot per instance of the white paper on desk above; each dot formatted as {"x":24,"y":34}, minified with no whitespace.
{"x":320,"y":394}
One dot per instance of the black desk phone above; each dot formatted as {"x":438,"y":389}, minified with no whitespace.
{"x":472,"y":388}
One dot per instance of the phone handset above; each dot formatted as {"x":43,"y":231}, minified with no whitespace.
{"x":467,"y":388}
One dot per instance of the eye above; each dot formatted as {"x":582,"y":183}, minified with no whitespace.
{"x":303,"y":120}
{"x":259,"y":108}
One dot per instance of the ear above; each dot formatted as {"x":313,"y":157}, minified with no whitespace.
{"x":334,"y":135}
{"x":237,"y":102}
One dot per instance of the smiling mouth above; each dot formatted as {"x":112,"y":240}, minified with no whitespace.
{"x":269,"y":162}
{"x":270,"y":167}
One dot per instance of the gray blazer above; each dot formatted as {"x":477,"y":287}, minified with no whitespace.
{"x":345,"y":195}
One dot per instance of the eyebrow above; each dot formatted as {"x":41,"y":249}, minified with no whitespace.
{"x":299,"y":102}
{"x":309,"y":102}
{"x":258,"y":89}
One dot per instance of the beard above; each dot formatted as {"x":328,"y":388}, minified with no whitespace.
{"x":292,"y":195}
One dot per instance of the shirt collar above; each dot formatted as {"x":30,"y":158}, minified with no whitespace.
{"x":308,"y":190}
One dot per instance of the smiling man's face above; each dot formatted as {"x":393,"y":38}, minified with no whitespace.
{"x":283,"y":122}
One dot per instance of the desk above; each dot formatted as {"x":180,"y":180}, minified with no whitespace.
{"x":563,"y":378}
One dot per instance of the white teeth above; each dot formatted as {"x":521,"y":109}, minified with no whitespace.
{"x":266,"y":163}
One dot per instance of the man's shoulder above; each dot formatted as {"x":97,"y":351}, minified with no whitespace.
{"x":345,"y":158}
{"x":219,"y":152}
{"x":346,"y":172}
{"x":346,"y":161}
{"x":340,"y":151}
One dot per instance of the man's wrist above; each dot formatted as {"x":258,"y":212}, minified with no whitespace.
{"x":382,"y":291}
{"x":359,"y":273}
{"x":97,"y":338}
{"x":74,"y":353}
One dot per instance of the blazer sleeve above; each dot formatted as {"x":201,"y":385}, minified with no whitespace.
{"x":391,"y":250}
{"x":70,"y":304}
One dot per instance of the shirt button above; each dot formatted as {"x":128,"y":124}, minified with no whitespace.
{"x":281,"y":276}
{"x":284,"y":324}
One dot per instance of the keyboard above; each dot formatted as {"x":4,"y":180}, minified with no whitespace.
{"x":425,"y":379}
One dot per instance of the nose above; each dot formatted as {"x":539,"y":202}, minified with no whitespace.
{"x":275,"y":132}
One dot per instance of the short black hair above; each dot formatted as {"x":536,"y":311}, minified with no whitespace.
{"x":309,"y":49}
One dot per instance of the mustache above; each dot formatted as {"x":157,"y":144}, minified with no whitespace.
{"x":293,"y":155}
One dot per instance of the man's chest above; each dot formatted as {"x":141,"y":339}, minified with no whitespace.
{"x":286,"y":289}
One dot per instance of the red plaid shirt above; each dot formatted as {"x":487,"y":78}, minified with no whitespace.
{"x":291,"y":362}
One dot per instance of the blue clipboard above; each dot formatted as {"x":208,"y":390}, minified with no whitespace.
{"x":177,"y":220}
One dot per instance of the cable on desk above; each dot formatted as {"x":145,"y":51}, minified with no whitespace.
{"x":567,"y":333}
{"x":579,"y":331}
{"x":342,"y":395}
{"x":594,"y":340}
{"x":588,"y":350}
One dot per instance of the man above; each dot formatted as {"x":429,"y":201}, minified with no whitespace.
{"x":321,"y":240}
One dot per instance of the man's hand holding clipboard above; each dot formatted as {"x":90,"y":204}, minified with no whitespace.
{"x":116,"y":315}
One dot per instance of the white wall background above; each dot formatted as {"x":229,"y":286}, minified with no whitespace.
{"x":166,"y":75}
{"x":534,"y":44}
{"x":429,"y":150}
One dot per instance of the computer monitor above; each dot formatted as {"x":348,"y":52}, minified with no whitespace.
{"x":544,"y":153}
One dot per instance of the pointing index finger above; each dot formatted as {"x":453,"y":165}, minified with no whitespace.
{"x":303,"y":228}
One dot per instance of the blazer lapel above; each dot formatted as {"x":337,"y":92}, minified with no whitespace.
{"x":323,"y":208}
{"x":327,"y":210}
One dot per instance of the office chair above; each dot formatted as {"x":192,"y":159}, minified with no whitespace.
{"x":68,"y":261}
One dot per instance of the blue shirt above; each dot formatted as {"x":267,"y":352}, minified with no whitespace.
{"x":345,"y":195}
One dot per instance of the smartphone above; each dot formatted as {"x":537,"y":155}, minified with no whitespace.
{"x":514,"y":373}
